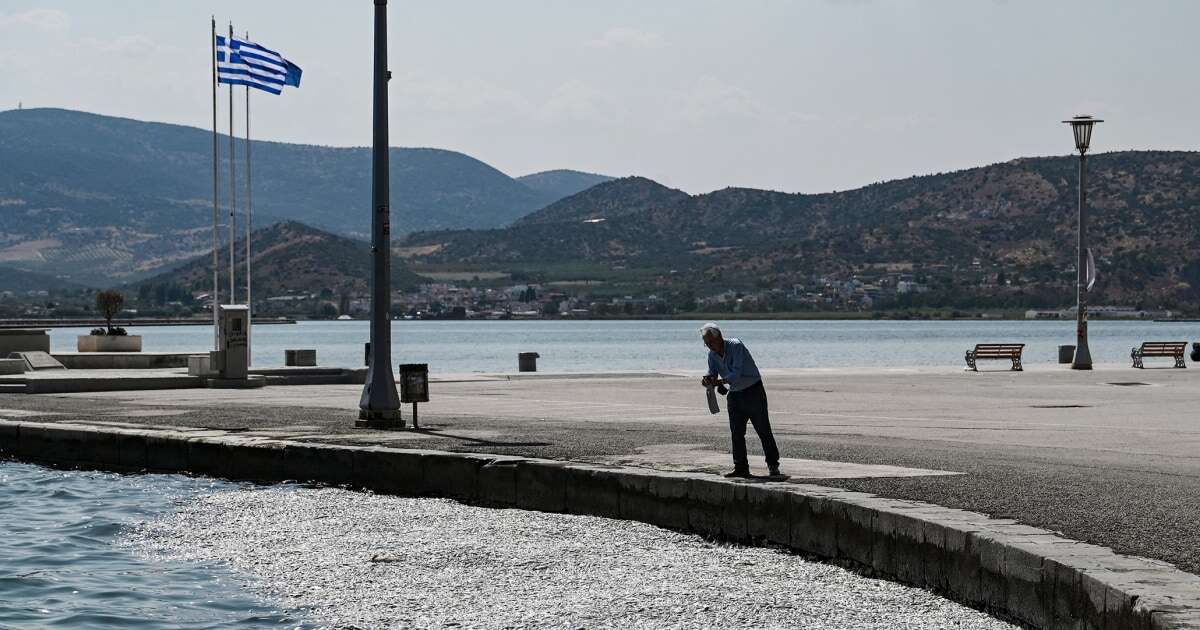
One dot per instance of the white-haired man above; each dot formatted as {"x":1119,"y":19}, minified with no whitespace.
{"x":730,"y":364}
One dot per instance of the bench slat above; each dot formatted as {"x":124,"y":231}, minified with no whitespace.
{"x":998,"y":350}
{"x":1162,"y":348}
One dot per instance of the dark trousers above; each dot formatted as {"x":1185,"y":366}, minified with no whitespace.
{"x":750,"y":404}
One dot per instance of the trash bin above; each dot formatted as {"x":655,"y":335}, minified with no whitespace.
{"x":1066,"y":354}
{"x":527,"y":361}
{"x":305,"y":357}
{"x":1196,"y":351}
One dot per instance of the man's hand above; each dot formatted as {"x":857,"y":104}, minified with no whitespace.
{"x":710,"y":381}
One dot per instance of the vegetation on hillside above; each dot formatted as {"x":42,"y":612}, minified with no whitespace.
{"x":1000,"y":236}
{"x":95,"y":197}
{"x":288,"y":258}
{"x":562,"y":182}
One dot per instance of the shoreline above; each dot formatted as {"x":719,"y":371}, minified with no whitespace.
{"x":802,"y":316}
{"x":788,"y":316}
{"x":1011,"y":570}
{"x":155,"y":321}
{"x":1053,"y":449}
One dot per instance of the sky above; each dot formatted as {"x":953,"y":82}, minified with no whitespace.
{"x":799,"y":96}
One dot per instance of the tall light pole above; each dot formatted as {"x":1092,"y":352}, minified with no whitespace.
{"x":379,"y":406}
{"x":1082,"y":127}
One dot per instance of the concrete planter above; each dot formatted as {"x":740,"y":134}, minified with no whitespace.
{"x":23,"y":340}
{"x":109,"y":343}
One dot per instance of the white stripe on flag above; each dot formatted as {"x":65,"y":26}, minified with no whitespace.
{"x":262,"y":56}
{"x":256,"y":71}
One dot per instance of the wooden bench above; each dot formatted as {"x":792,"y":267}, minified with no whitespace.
{"x":1172,"y":349}
{"x":996,"y":351}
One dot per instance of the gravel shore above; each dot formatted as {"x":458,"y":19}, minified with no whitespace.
{"x":354,"y":560}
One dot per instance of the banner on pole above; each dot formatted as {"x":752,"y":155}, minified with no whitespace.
{"x":1091,"y":270}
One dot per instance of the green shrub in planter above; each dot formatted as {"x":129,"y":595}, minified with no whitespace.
{"x":116,"y":331}
{"x":109,"y":303}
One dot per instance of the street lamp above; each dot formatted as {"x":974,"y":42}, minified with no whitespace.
{"x":379,"y":406}
{"x":1082,"y":128}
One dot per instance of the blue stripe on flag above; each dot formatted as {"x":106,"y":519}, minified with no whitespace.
{"x":266,"y":61}
{"x":241,"y":74}
{"x":271,"y":71}
{"x":253,"y":46}
{"x":253,"y":84}
{"x":274,"y":88}
{"x":237,"y":61}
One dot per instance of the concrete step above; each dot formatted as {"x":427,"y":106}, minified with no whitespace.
{"x":38,"y":360}
{"x":12,"y":389}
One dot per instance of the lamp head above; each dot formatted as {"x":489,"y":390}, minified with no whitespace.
{"x":1082,"y":127}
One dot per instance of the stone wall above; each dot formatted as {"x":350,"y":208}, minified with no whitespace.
{"x":1015,"y":571}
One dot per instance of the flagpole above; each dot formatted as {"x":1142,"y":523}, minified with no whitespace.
{"x":249,"y":216}
{"x":216,"y":213}
{"x":232,"y":187}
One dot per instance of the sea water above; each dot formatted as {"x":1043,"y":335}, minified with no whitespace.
{"x":95,"y":550}
{"x":607,"y":345}
{"x":61,"y":564}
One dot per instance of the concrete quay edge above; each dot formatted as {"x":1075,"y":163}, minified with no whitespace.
{"x":70,"y":382}
{"x":1015,"y":571}
{"x":75,"y":384}
{"x":123,"y":360}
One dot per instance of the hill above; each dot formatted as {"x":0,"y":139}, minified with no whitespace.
{"x":609,"y":200}
{"x":290,"y":258}
{"x":20,"y":281}
{"x":95,"y":197}
{"x":562,"y":182}
{"x":1000,"y":234}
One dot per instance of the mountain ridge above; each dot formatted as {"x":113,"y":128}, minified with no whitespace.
{"x":562,"y":182}
{"x":101,"y":196}
{"x":607,"y":200}
{"x":1011,"y":223}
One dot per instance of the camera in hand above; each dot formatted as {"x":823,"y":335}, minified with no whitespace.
{"x":722,"y":390}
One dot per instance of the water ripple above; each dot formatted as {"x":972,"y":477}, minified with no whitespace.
{"x":61,"y":566}
{"x":587,"y":346}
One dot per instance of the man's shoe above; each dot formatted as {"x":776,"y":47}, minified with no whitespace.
{"x":773,"y":471}
{"x":738,"y":473}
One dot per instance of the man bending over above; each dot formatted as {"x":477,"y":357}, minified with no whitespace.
{"x":730,"y":364}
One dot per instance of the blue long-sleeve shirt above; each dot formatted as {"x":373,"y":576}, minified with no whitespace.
{"x":737,"y":367}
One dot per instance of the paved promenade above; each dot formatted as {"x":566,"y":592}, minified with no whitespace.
{"x":1110,"y":456}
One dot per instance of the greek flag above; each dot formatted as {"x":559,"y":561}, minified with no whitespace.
{"x":240,"y":62}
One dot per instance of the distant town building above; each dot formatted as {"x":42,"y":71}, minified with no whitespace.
{"x":1100,"y":312}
